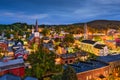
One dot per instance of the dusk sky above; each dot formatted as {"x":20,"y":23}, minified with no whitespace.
{"x":58,"y":11}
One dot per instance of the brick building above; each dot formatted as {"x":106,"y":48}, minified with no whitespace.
{"x":98,"y":69}
{"x":70,"y":58}
{"x":90,"y":70}
{"x":113,"y":61}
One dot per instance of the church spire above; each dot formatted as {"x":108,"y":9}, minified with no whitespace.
{"x":36,"y":27}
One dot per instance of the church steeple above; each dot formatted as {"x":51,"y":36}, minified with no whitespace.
{"x":36,"y":26}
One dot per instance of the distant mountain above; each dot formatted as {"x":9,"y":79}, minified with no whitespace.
{"x":105,"y":24}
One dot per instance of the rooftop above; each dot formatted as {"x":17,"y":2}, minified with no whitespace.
{"x":30,"y":78}
{"x":109,"y":58}
{"x":99,"y":46}
{"x":31,"y":37}
{"x":68,"y":55}
{"x":86,"y":66}
{"x":11,"y":62}
{"x":88,"y":41}
{"x":10,"y":77}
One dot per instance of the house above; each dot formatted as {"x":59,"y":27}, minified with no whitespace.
{"x":117,"y":40}
{"x":60,"y":50}
{"x":49,"y":45}
{"x":19,"y":51}
{"x":3,"y":46}
{"x":101,"y":50}
{"x":10,"y":52}
{"x":15,"y":67}
{"x":111,"y":44}
{"x":46,"y":39}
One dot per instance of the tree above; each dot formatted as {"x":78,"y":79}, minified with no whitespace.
{"x":92,"y":56}
{"x":46,"y":32}
{"x":69,"y":39}
{"x":42,"y":63}
{"x":57,"y":77}
{"x":69,"y":74}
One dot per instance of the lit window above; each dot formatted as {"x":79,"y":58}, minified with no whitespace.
{"x":87,"y":78}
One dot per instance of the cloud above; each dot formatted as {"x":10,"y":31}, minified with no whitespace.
{"x":106,"y":1}
{"x":97,"y":9}
{"x":22,"y":15}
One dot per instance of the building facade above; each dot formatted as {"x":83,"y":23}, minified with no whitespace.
{"x":94,"y":47}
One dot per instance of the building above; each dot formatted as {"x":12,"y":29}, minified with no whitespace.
{"x":117,"y":40}
{"x":87,"y":45}
{"x":19,"y":51}
{"x":111,"y":44}
{"x":112,"y":60}
{"x":94,"y":47}
{"x":15,"y":67}
{"x":3,"y":46}
{"x":65,"y":58}
{"x":91,"y":70}
{"x":70,"y":58}
{"x":35,"y":36}
{"x":101,"y":50}
{"x":98,"y":69}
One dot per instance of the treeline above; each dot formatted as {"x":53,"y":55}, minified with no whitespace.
{"x":93,"y":26}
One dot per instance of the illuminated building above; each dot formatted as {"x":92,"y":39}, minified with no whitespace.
{"x":94,"y":47}
{"x":98,"y":69}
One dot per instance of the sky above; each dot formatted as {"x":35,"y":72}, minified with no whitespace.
{"x":58,"y":11}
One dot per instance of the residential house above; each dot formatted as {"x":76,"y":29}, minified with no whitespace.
{"x":101,"y":50}
{"x":19,"y":51}
{"x":3,"y":47}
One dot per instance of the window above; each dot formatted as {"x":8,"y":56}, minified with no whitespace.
{"x":71,"y":61}
{"x":90,"y":77}
{"x":87,"y":78}
{"x":66,"y":62}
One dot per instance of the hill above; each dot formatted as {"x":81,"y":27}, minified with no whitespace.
{"x":102,"y":24}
